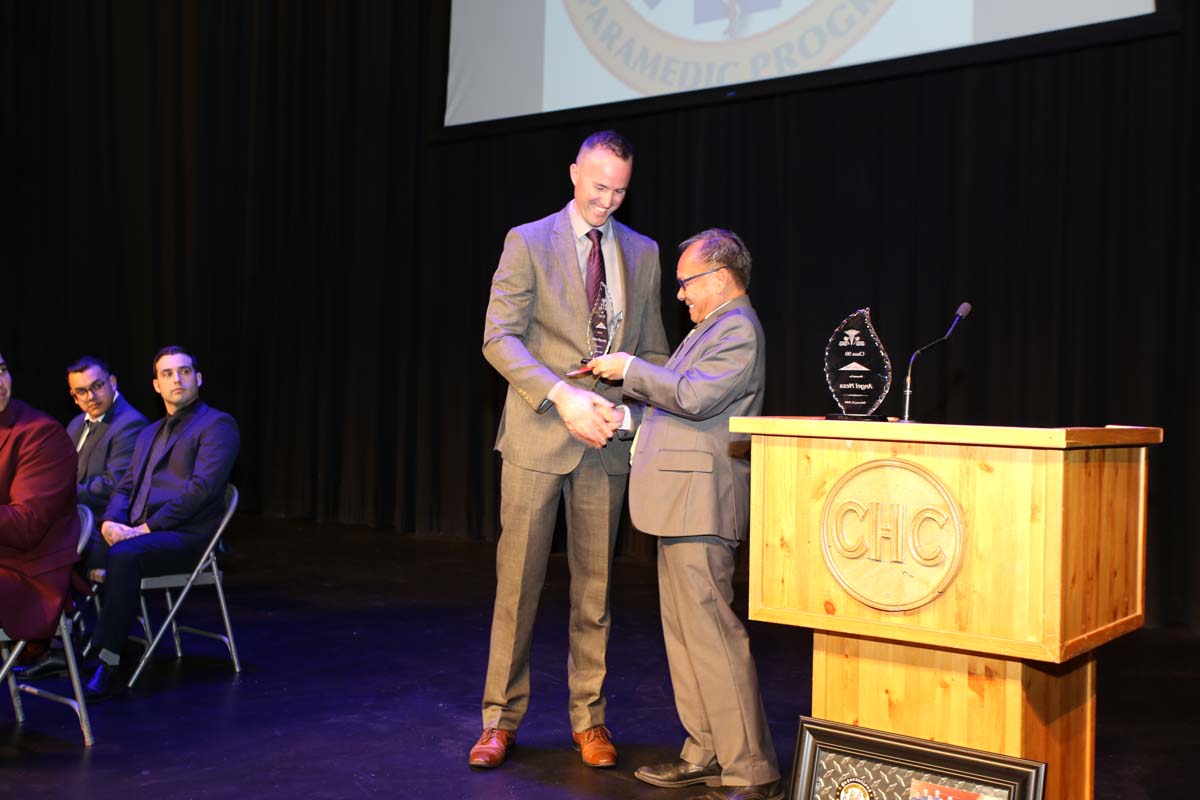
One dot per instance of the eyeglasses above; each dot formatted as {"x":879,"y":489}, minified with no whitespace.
{"x":685,"y":281}
{"x":95,"y":388}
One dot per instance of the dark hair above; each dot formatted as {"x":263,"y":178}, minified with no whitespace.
{"x":84,"y":363}
{"x":171,"y":350}
{"x":611,"y":141}
{"x":723,"y":248}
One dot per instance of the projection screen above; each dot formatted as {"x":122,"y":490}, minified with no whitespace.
{"x":511,"y":58}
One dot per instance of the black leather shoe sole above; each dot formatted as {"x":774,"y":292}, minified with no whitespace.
{"x":51,"y":665}
{"x":672,"y":776}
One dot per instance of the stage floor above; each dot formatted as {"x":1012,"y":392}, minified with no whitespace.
{"x":363,"y":659}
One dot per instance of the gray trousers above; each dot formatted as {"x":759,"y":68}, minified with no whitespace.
{"x":712,"y":671}
{"x":528,"y":509}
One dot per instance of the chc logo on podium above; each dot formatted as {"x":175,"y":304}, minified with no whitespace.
{"x":892,"y":534}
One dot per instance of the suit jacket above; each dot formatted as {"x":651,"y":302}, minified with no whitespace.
{"x":187,"y":493}
{"x":107,"y":452}
{"x":535,"y":331}
{"x":691,"y":476}
{"x":39,"y":526}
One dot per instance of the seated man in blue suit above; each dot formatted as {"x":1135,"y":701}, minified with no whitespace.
{"x":103,"y":434}
{"x":166,"y":508}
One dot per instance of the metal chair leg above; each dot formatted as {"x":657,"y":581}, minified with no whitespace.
{"x":237,"y":666}
{"x":161,"y":630}
{"x":9,"y":662}
{"x":80,"y":704}
{"x":146,"y":619}
{"x":174,"y":626}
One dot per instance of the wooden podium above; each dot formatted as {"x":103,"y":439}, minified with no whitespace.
{"x":957,"y":578}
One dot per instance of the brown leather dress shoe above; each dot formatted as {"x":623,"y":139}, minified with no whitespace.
{"x":491,"y":748}
{"x":596,"y":747}
{"x":763,"y":791}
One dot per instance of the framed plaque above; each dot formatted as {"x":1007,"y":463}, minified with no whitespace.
{"x":835,"y":761}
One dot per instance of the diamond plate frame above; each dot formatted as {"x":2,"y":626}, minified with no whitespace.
{"x":828,"y":754}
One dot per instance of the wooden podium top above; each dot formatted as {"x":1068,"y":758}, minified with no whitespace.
{"x":1027,"y":543}
{"x":921,"y":432}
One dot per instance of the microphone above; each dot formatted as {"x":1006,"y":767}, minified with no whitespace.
{"x":964,"y":308}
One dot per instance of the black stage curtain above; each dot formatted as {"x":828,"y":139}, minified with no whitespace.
{"x":267,"y":183}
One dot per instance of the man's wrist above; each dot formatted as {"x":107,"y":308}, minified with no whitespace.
{"x":555,"y":391}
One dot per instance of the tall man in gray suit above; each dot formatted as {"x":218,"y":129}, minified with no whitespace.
{"x":103,"y":433}
{"x":690,"y":486}
{"x":555,"y":430}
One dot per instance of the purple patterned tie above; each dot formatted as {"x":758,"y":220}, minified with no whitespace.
{"x":595,"y":268}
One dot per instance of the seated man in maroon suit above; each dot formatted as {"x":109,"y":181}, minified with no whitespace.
{"x":39,"y":527}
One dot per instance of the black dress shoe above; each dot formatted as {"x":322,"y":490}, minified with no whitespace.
{"x":52,"y":664}
{"x":762,"y":791}
{"x":103,"y":684}
{"x":679,"y":773}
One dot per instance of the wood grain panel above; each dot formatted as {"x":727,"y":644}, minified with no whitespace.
{"x":1033,"y":583}
{"x":1044,"y":712}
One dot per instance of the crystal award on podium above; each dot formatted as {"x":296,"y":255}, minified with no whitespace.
{"x":857,"y":368}
{"x":602,"y":328}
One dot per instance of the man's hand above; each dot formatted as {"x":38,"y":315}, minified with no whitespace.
{"x":587,"y":415}
{"x":611,"y":367}
{"x":114,"y":532}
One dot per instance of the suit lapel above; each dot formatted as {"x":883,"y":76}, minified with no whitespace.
{"x":99,"y":433}
{"x":566,"y":254}
{"x":94,"y":438}
{"x":180,"y":430}
{"x":702,"y":329}
{"x":623,"y":270}
{"x":75,"y":428}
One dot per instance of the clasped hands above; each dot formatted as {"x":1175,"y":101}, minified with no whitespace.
{"x":589,"y":417}
{"x":114,"y":532}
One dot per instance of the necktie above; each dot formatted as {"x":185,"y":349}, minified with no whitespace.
{"x":595,"y":268}
{"x":84,"y":439}
{"x":87,"y":432}
{"x":137,"y":510}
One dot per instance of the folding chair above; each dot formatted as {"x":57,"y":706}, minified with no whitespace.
{"x":78,"y":704}
{"x":206,"y":573}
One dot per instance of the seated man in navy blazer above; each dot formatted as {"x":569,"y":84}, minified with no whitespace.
{"x":166,"y":508}
{"x":103,"y":434}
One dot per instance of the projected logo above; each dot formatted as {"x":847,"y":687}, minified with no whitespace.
{"x":892,"y":534}
{"x":658,"y":46}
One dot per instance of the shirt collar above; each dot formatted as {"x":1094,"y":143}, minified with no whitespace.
{"x":99,"y":419}
{"x":715,"y":310}
{"x":581,"y":229}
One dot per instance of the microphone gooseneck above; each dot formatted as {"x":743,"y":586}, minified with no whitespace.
{"x":964,"y":309}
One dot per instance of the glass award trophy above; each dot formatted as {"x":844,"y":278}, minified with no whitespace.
{"x":857,"y":368}
{"x":602,"y":328}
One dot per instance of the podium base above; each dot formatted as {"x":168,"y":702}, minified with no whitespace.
{"x":1040,"y":711}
